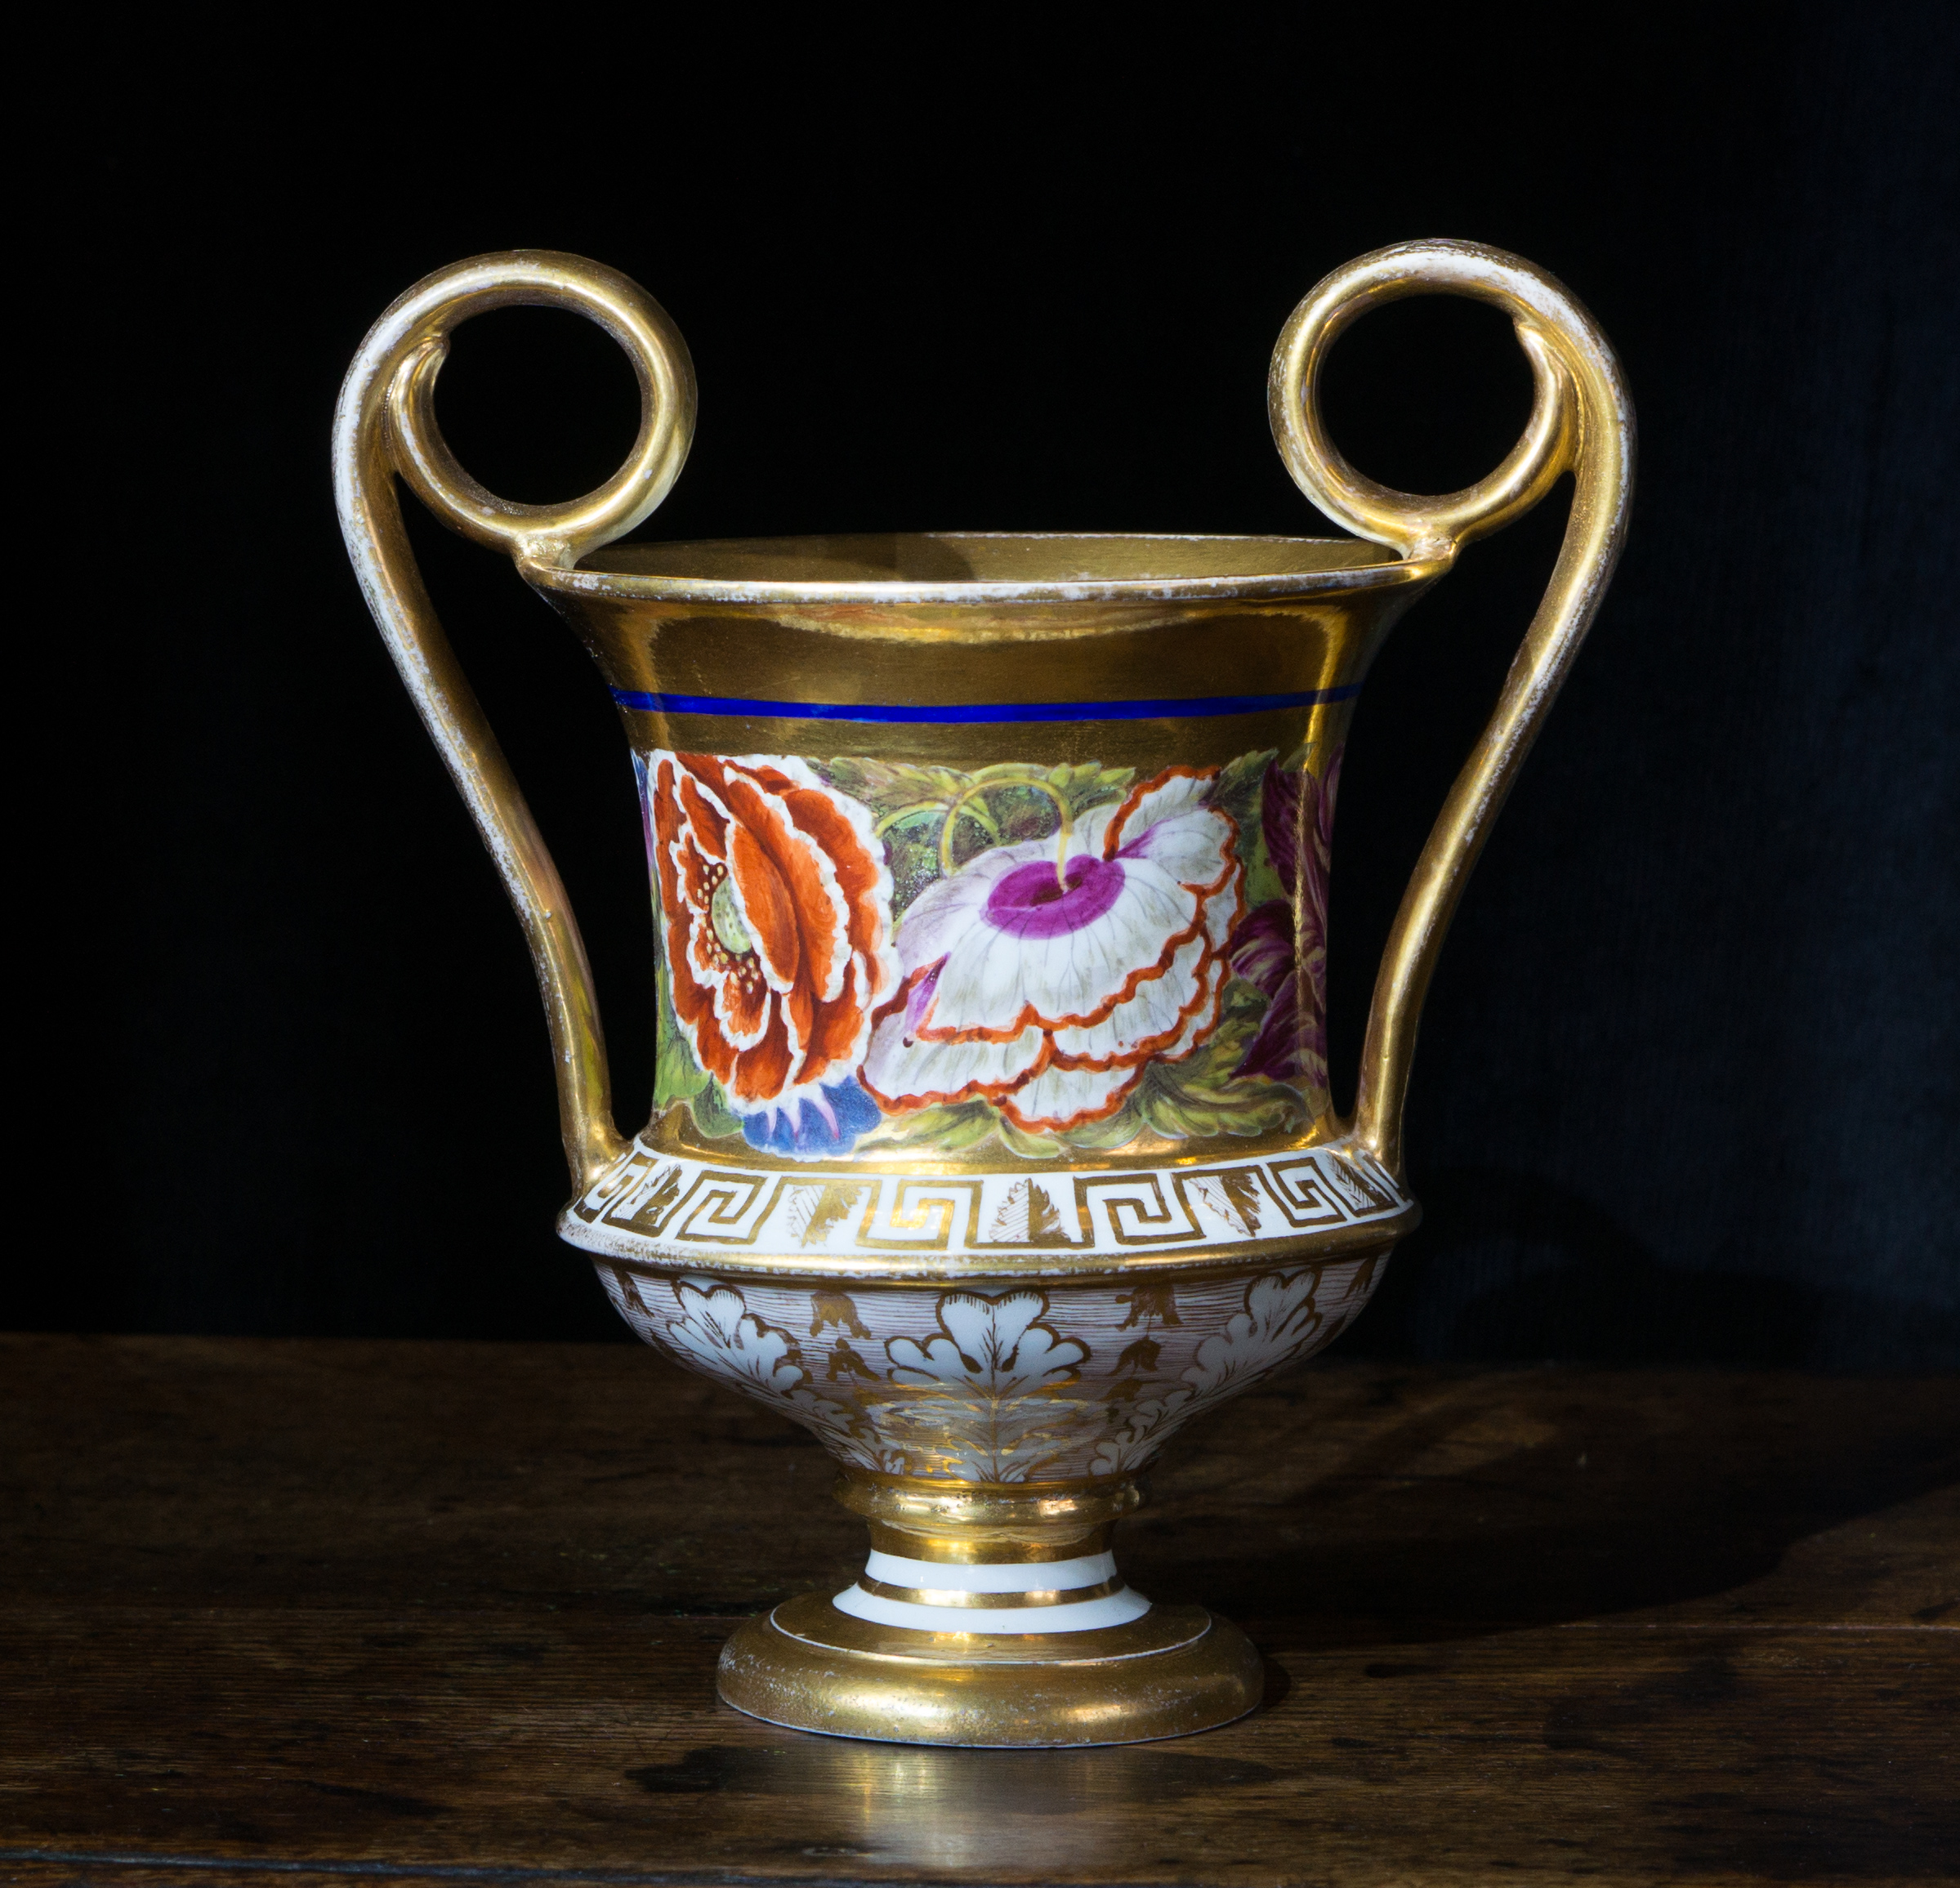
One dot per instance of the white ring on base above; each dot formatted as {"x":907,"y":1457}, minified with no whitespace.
{"x":1019,"y":1577}
{"x":1079,"y":1616}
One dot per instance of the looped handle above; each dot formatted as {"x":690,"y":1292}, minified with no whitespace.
{"x":384,"y":424}
{"x":1581,"y":420}
{"x":554,"y":534}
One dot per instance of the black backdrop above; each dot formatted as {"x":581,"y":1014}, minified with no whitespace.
{"x":1686,"y":1088}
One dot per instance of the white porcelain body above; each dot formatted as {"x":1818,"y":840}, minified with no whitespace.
{"x":991,"y":1379}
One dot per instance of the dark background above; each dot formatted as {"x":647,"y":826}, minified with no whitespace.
{"x":1686,"y":1088}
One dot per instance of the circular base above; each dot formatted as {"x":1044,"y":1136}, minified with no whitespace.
{"x":1175,"y":1671}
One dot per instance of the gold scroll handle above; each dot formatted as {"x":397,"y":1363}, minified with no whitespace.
{"x":1581,"y":421}
{"x":384,"y":425}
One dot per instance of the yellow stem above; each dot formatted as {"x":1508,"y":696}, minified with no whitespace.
{"x":974,"y":791}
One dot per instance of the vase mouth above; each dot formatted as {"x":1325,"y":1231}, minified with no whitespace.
{"x":986,"y":569}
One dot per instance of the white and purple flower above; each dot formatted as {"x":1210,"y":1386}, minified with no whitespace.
{"x":1044,"y":977}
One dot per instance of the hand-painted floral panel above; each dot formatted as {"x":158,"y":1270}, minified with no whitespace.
{"x":866,"y":955}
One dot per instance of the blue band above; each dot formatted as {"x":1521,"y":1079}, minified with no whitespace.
{"x":1143,"y":711}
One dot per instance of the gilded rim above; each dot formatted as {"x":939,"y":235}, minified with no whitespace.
{"x":592,"y":577}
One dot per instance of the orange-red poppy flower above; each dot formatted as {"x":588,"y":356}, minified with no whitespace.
{"x":776,"y":917}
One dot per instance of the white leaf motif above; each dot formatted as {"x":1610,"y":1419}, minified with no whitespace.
{"x":1277,"y":1320}
{"x":718,"y":1334}
{"x":988,"y":1373}
{"x":991,"y":1345}
{"x":1149,"y":1424}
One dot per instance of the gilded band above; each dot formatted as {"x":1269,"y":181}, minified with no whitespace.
{"x":987,"y":1546}
{"x":958,"y":1596}
{"x":951,"y":713}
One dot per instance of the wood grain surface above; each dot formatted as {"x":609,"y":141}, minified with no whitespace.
{"x":315,"y":1611}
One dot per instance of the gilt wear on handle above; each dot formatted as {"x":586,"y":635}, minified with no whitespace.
{"x":384,"y":424}
{"x":994,"y":1139}
{"x":1581,"y":420}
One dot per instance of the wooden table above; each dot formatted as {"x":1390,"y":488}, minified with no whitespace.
{"x":303,"y":1611}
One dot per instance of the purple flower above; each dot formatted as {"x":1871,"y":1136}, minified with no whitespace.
{"x":1032,"y":902}
{"x":1282,"y":944}
{"x":1262,"y":947}
{"x":1045,"y":976}
{"x":1278,"y":1048}
{"x":1279,"y":796}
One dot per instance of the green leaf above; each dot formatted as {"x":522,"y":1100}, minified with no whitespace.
{"x":677,"y":1076}
{"x":915,"y":863}
{"x":976,"y":811}
{"x":1201,"y":1096}
{"x":1081,"y":786}
{"x":1198,"y":1112}
{"x":1029,"y":1146}
{"x":1236,"y":790}
{"x":1116,"y":1130}
{"x":932,"y":810}
{"x":711,"y":1113}
{"x":893,"y":788}
{"x":1262,"y":883}
{"x":1091,"y":784}
{"x":947,"y":1129}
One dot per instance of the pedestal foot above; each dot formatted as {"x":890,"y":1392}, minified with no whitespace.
{"x":990,"y":1615}
{"x":1172,"y":1671}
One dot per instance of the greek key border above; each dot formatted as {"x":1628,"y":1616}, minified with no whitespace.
{"x":678,"y":1202}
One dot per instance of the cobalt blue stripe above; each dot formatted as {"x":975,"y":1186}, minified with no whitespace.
{"x":1144,"y":710}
